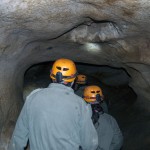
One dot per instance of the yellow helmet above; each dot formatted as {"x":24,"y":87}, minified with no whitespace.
{"x":64,"y":69}
{"x":81,"y":79}
{"x":92,"y":94}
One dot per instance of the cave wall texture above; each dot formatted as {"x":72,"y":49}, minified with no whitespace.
{"x":103,"y":32}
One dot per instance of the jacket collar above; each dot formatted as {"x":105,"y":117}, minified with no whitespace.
{"x":61,"y":86}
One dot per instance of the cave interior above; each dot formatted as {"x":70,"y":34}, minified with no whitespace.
{"x":107,"y":39}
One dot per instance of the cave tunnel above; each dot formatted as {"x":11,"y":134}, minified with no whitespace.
{"x":107,"y":39}
{"x":120,"y":97}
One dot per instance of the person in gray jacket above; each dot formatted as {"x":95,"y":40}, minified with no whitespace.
{"x":54,"y":118}
{"x":109,"y":134}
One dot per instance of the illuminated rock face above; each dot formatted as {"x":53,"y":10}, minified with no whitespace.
{"x":107,"y":32}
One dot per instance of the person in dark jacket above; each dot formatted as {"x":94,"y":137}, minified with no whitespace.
{"x":109,"y":134}
{"x":80,"y":84}
{"x":54,"y":118}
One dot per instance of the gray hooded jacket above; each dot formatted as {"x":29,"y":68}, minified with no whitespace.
{"x":54,"y":118}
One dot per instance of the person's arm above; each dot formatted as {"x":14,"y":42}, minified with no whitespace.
{"x":89,"y":138}
{"x":117,"y":140}
{"x":20,"y":135}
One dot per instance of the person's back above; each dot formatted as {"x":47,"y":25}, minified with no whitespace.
{"x":54,"y":118}
{"x":59,"y":121}
{"x":109,"y":134}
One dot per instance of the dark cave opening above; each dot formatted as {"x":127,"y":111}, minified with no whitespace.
{"x":120,"y":97}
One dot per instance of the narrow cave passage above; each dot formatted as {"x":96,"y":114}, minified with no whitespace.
{"x":120,"y":97}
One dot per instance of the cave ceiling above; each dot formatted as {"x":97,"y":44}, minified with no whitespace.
{"x":104,"y":32}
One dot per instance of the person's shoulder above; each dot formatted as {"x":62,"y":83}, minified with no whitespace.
{"x":107,"y":116}
{"x":84,"y":107}
{"x":110,"y":118}
{"x":33,"y":93}
{"x":79,"y":99}
{"x":77,"y":96}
